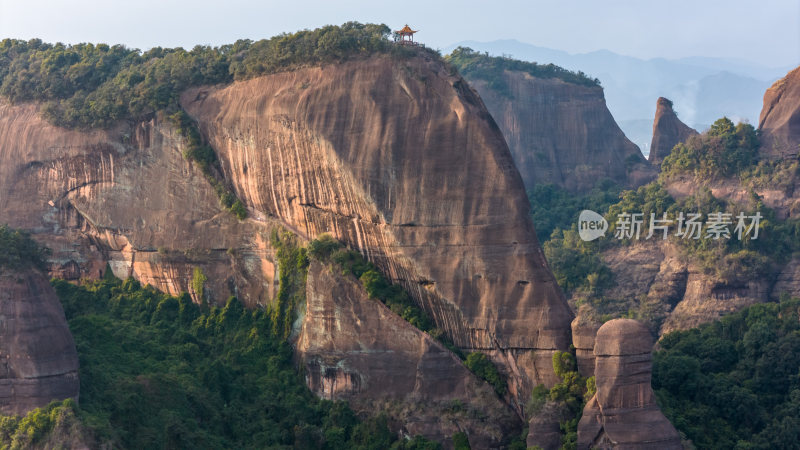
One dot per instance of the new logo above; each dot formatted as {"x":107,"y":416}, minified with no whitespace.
{"x":591,"y":225}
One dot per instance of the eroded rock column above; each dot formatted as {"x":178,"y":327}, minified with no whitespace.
{"x":623,"y":413}
{"x":38,"y":360}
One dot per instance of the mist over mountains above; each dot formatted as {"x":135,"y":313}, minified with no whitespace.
{"x":702,"y":89}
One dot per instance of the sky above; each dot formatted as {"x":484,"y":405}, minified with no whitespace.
{"x":765,"y":31}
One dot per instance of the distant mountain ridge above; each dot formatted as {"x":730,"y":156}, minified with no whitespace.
{"x":703,"y":89}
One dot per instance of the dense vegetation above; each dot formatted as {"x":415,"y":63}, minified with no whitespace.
{"x":473,"y":64}
{"x":18,"y":250}
{"x":554,"y":207}
{"x":88,"y":85}
{"x":569,"y":396}
{"x":55,"y":426}
{"x":162,"y":372}
{"x":723,"y":151}
{"x":735,"y":383}
{"x":159,"y":371}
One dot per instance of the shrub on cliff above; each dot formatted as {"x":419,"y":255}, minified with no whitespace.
{"x":87,"y":85}
{"x":473,"y":64}
{"x":56,"y":425}
{"x":724,"y":150}
{"x":18,"y":250}
{"x":481,"y":366}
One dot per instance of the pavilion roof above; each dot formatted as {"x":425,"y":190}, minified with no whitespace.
{"x":406,"y":30}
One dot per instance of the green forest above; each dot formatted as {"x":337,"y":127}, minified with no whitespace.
{"x":158,"y":371}
{"x":473,"y":64}
{"x":18,"y":250}
{"x":735,"y":383}
{"x":91,"y":86}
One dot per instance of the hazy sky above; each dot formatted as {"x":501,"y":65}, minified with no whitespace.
{"x":764,"y":31}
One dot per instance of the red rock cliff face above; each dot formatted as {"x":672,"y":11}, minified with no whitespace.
{"x":668,"y":131}
{"x":563,"y":133}
{"x":780,"y":118}
{"x":354,"y":348}
{"x":400,"y":160}
{"x":38,"y":360}
{"x":127,"y":197}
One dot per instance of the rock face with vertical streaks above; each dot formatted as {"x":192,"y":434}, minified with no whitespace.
{"x":668,"y":130}
{"x":126,"y":197}
{"x":400,"y":159}
{"x":396,"y":157}
{"x":623,"y":413}
{"x":562,"y":133}
{"x":38,"y":360}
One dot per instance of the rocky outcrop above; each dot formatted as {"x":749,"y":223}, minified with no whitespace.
{"x":668,"y":291}
{"x":354,"y":348}
{"x":623,"y":413}
{"x":788,"y":280}
{"x":668,"y":131}
{"x":562,"y":133}
{"x":38,"y":360}
{"x":708,"y":298}
{"x":779,"y":122}
{"x":400,"y":160}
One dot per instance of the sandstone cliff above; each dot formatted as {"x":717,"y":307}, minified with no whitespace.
{"x":668,"y":130}
{"x":562,"y":133}
{"x":623,"y":413}
{"x":38,"y":360}
{"x":780,"y":118}
{"x":397,"y":158}
{"x":354,"y":348}
{"x":127,"y":197}
{"x":400,"y":160}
